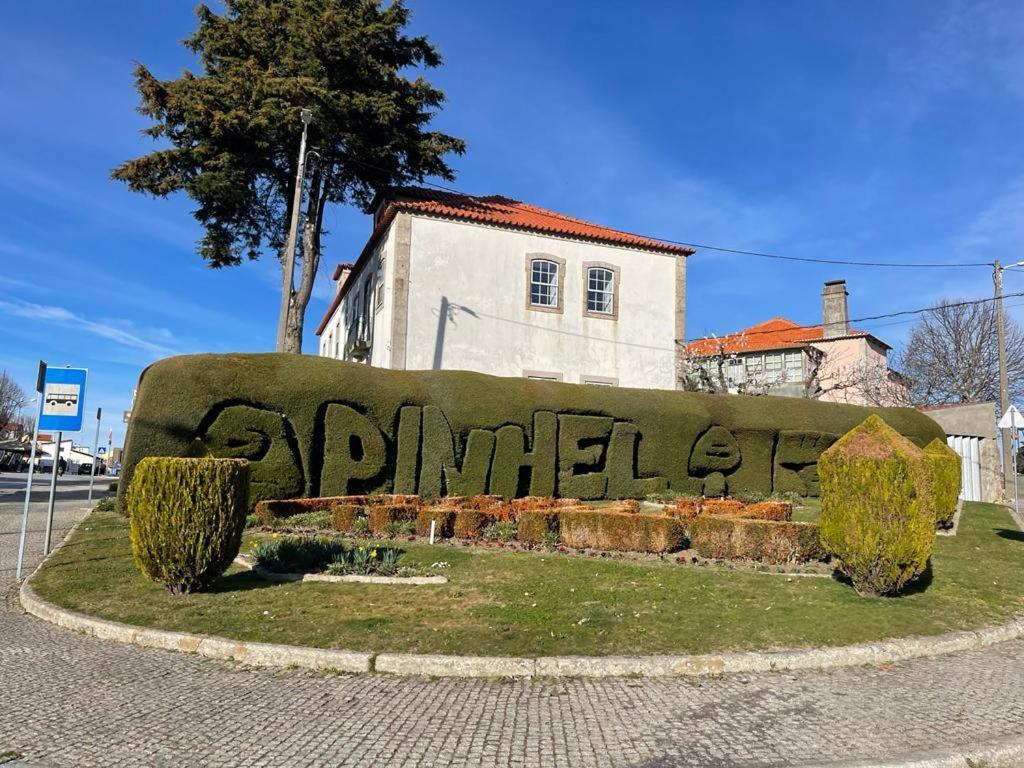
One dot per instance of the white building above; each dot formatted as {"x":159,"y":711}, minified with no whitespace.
{"x":493,"y":285}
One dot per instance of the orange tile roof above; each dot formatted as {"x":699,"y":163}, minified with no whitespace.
{"x":506,"y":212}
{"x":777,"y":333}
{"x":495,"y":210}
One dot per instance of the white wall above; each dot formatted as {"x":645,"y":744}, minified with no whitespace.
{"x":332,"y":340}
{"x":479,"y":273}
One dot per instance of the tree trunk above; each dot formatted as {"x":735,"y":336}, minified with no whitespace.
{"x":312,"y":227}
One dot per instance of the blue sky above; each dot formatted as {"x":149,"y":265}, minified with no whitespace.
{"x":880,"y":130}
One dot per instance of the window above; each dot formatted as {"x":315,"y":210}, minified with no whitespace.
{"x":380,"y":285}
{"x":544,"y":283}
{"x":601,"y":286}
{"x":599,"y":381}
{"x":773,"y":366}
{"x":794,"y":366}
{"x":755,"y":365}
{"x":600,"y":290}
{"x":542,"y":376}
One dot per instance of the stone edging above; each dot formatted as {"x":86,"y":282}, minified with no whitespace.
{"x":274,"y":655}
{"x":351,"y":578}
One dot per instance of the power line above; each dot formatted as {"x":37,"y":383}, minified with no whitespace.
{"x":703,"y":246}
{"x":901,"y":313}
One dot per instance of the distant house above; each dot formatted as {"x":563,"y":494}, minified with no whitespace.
{"x":830,"y":361}
{"x":490,"y":284}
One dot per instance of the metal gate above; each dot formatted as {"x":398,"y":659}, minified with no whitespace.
{"x":969,"y":451}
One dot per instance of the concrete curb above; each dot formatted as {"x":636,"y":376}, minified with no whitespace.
{"x":991,"y":754}
{"x":352,"y":578}
{"x":274,"y":655}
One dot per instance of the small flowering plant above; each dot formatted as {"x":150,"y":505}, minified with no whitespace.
{"x":365,"y":561}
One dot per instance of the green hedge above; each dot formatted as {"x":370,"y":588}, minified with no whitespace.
{"x":765,"y":541}
{"x":877,"y":518}
{"x":944,"y":480}
{"x":317,"y":427}
{"x":186,"y":519}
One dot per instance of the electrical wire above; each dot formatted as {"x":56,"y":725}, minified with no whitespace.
{"x":704,"y":246}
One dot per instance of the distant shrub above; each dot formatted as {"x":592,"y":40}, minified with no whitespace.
{"x":252,"y":521}
{"x":764,"y":541}
{"x":596,"y":529}
{"x":876,"y":508}
{"x":944,"y":481}
{"x":186,"y":518}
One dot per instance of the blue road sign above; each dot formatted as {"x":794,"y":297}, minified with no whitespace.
{"x":63,"y":400}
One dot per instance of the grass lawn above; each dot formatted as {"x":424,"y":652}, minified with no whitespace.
{"x":519,"y":603}
{"x":807,"y":510}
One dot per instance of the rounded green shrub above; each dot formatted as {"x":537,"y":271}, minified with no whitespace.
{"x":944,"y":479}
{"x":876,"y":509}
{"x":187,"y":518}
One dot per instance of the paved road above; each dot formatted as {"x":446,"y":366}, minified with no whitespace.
{"x":70,"y":700}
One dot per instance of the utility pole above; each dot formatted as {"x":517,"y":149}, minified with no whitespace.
{"x":1009,"y":469}
{"x":288,"y":270}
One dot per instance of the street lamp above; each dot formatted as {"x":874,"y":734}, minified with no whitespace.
{"x":288,"y":270}
{"x":1009,"y":467}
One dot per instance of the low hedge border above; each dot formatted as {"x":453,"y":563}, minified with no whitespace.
{"x":721,"y":537}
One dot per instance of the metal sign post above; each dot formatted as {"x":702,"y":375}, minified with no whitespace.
{"x":62,"y":410}
{"x":95,"y":451}
{"x":40,"y":378}
{"x":53,"y":496}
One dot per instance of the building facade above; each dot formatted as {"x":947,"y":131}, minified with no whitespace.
{"x":831,"y":361}
{"x":493,"y":285}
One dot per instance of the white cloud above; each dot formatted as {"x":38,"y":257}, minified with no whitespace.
{"x":104,"y":329}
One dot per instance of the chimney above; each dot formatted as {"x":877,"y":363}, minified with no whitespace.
{"x":835,"y":317}
{"x":341,"y":274}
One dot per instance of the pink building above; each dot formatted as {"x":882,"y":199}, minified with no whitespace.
{"x":830,"y":361}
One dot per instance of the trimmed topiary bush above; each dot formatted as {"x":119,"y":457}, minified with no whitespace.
{"x":876,"y":509}
{"x":312,"y":426}
{"x":944,"y":480}
{"x":536,"y":524}
{"x":187,"y":518}
{"x":382,"y":516}
{"x":596,"y":529}
{"x":765,"y":541}
{"x":344,"y":516}
{"x":443,"y":517}
{"x":469,"y":523}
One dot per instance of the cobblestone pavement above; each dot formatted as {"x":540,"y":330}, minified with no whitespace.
{"x":66,"y":699}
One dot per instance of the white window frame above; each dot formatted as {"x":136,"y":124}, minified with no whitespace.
{"x":599,"y":381}
{"x":559,"y":284}
{"x":542,"y":375}
{"x":588,"y":267}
